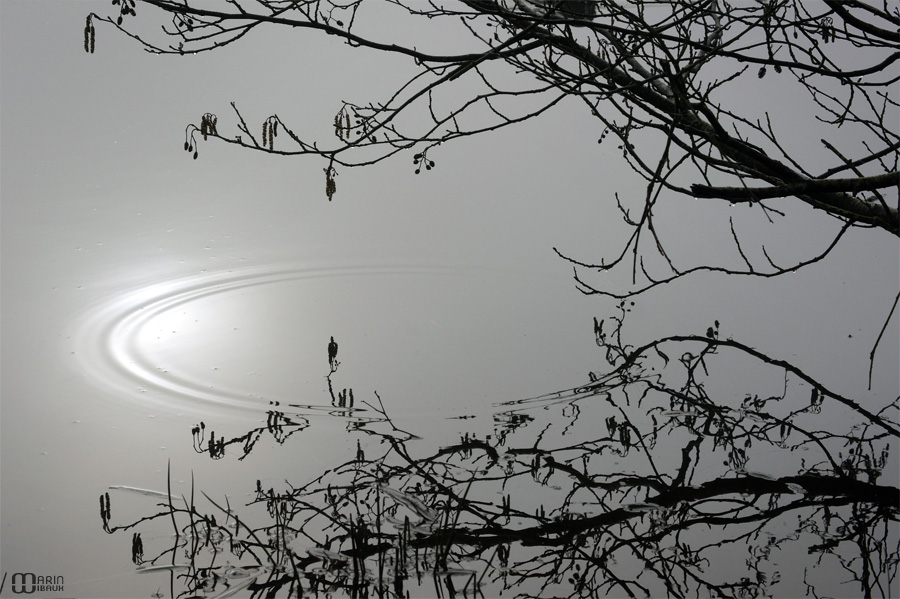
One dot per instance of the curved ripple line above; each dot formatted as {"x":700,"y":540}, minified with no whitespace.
{"x":107,"y":337}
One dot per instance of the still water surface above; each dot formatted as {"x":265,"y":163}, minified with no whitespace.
{"x":145,"y":293}
{"x":243,"y":338}
{"x":116,"y":384}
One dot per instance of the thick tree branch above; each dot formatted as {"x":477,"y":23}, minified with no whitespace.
{"x":866,"y":211}
{"x":808,"y":187}
{"x":850,"y":19}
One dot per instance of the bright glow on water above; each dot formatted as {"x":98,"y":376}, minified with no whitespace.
{"x":199,"y":341}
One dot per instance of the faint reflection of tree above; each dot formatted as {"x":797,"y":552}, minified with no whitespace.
{"x":283,"y":422}
{"x":655,"y":479}
{"x":279,"y":425}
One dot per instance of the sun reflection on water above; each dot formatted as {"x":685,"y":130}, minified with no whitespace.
{"x":217,"y":339}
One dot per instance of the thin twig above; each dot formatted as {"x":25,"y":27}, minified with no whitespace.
{"x":877,"y":341}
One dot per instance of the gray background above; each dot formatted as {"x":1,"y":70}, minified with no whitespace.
{"x":442,"y":289}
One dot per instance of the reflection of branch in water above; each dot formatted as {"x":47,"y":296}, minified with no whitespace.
{"x":279,"y":426}
{"x":288,"y":419}
{"x":657,"y":478}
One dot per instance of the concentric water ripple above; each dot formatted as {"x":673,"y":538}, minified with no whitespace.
{"x":136,"y":345}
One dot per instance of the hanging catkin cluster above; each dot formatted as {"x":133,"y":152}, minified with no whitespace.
{"x":89,"y":35}
{"x":342,"y":124}
{"x":208,"y":125}
{"x":269,"y":132}
{"x":126,"y":8}
{"x":330,"y":185}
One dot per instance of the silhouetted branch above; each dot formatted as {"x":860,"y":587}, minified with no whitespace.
{"x":654,"y":71}
{"x":543,"y":509}
{"x":811,"y":186}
